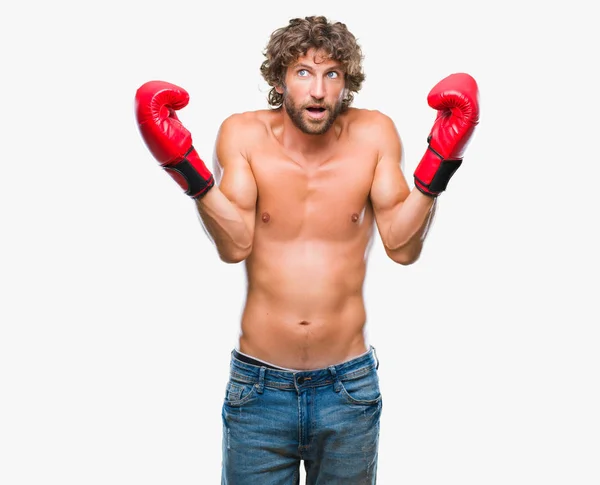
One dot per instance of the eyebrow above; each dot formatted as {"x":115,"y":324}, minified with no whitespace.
{"x":336,"y":67}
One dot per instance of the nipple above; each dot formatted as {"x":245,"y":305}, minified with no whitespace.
{"x":265,"y":217}
{"x":354,"y":217}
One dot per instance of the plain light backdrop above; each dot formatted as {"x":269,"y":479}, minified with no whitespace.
{"x":117,"y":317}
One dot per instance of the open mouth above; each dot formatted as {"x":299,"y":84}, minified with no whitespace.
{"x":316,"y":113}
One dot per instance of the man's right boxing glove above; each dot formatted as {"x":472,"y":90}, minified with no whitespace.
{"x":167,"y":139}
{"x":456,"y":98}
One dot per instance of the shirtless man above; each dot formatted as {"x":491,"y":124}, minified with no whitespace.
{"x":299,"y":189}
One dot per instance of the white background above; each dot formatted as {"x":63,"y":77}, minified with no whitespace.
{"x":117,"y":316}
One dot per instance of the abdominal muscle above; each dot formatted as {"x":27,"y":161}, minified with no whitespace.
{"x":304,"y":308}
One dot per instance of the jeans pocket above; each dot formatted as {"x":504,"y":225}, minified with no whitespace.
{"x":238,"y":392}
{"x":363,"y":390}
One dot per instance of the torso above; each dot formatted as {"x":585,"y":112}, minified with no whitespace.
{"x":314,"y":225}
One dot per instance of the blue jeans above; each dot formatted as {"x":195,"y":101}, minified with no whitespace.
{"x":329,"y":418}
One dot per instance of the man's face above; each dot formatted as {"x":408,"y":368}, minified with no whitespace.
{"x":313,"y":92}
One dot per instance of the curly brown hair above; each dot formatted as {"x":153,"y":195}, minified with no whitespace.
{"x":289,"y":43}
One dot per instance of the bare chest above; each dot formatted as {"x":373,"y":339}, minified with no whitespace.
{"x":326,"y":198}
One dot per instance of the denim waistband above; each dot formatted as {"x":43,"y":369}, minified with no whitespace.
{"x":284,"y":379}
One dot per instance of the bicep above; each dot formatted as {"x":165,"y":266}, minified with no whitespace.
{"x":233,"y":173}
{"x":389,"y":188}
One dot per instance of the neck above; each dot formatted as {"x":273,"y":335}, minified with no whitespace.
{"x":295,"y":140}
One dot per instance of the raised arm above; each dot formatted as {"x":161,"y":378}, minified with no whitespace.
{"x":403,"y":216}
{"x":228,"y":211}
{"x":404,"y":219}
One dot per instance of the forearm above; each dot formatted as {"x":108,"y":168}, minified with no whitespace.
{"x":225,"y":225}
{"x":409,"y":227}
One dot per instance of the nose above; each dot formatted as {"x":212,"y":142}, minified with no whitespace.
{"x":317,"y":88}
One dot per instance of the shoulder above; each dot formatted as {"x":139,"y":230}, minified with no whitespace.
{"x":240,"y":133}
{"x":376,"y":130}
{"x":371,"y":124}
{"x":247,"y":124}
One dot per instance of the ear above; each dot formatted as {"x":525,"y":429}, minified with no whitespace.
{"x":279,"y":88}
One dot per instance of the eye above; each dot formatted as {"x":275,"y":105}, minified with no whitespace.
{"x":302,"y":72}
{"x":332,"y":74}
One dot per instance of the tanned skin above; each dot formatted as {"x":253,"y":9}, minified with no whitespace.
{"x":300,"y":192}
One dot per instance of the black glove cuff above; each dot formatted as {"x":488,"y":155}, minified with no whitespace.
{"x":444,"y":173}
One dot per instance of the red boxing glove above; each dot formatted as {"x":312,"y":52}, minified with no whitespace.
{"x":456,"y":98}
{"x":167,"y":139}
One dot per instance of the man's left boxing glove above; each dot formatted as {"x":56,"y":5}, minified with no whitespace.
{"x":167,"y":139}
{"x":456,"y":99}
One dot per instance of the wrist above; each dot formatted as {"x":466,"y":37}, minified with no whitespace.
{"x":434,"y":172}
{"x":191,"y":174}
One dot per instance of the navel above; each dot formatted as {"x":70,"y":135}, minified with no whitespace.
{"x":304,"y":322}
{"x":265,"y":217}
